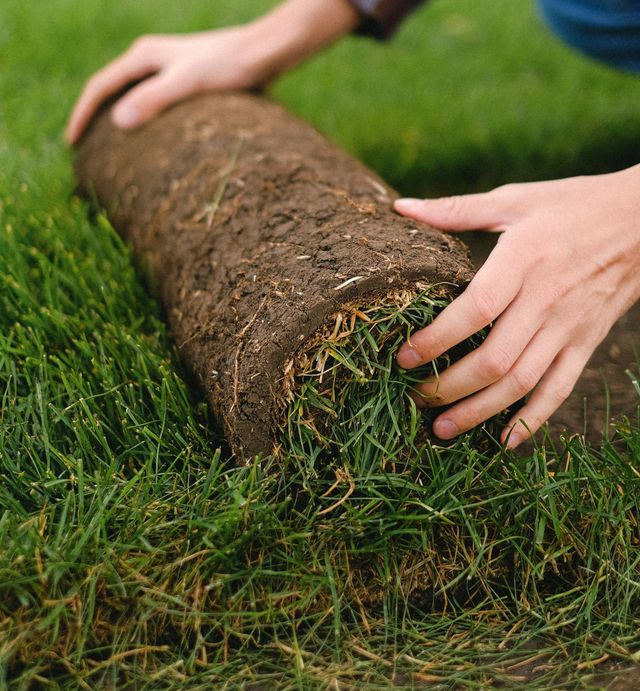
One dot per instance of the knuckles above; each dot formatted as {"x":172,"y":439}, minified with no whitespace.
{"x":451,"y":207}
{"x":525,"y":379}
{"x":496,"y":363}
{"x":561,"y":391}
{"x":484,"y":302}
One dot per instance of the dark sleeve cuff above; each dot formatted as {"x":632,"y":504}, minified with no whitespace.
{"x":381,"y":17}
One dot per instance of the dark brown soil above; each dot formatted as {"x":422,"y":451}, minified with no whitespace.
{"x":604,"y":393}
{"x":253,"y":230}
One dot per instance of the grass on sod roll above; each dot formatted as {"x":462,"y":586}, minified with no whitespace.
{"x":348,"y":400}
{"x":132,"y":554}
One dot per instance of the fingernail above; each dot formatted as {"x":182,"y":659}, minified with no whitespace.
{"x":446,"y":429}
{"x":513,"y":440}
{"x":406,"y":204}
{"x":429,"y":388}
{"x":408,"y":357}
{"x":126,"y":115}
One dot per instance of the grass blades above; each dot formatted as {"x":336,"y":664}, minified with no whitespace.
{"x":349,"y":403}
{"x":134,"y":555}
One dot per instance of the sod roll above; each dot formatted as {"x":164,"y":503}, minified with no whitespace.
{"x":267,"y":246}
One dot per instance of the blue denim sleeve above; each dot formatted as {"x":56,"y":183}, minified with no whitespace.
{"x":607,"y":30}
{"x":381,"y":17}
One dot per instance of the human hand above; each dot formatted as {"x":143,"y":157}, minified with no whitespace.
{"x":566,"y":266}
{"x":172,"y":67}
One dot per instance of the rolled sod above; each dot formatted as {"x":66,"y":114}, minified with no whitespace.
{"x":287,"y":280}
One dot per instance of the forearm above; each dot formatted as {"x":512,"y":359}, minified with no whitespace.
{"x":296,"y":29}
{"x":174,"y":67}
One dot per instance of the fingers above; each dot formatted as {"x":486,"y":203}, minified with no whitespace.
{"x":150,"y":97}
{"x":521,"y":379}
{"x":133,"y":65}
{"x":552,"y":392}
{"x":491,"y":291}
{"x":487,"y":364}
{"x":469,"y":212}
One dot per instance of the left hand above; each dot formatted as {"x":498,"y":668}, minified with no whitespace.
{"x":566,"y":266}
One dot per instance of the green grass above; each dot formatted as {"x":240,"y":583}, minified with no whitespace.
{"x":348,"y":400}
{"x":134,"y":555}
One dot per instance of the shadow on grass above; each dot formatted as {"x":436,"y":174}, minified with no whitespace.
{"x":471,"y":169}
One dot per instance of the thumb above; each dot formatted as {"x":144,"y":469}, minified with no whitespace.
{"x":148,"y":98}
{"x":468,"y":212}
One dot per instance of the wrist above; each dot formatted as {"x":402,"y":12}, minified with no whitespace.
{"x":630,"y":178}
{"x":294,"y":31}
{"x":634,"y":173}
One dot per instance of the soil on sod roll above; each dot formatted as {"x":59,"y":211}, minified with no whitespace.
{"x":256,"y":233}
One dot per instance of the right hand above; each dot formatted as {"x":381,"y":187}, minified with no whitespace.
{"x":172,"y":67}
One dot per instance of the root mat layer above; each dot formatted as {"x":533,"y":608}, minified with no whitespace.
{"x":256,"y":233}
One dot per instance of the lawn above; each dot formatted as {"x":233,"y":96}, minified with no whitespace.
{"x":135,"y":554}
